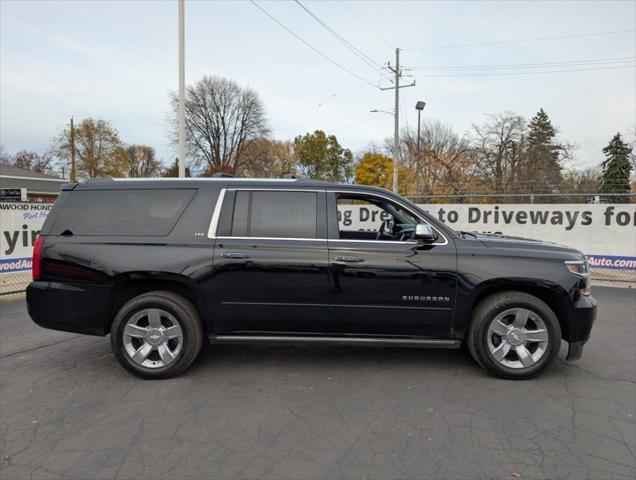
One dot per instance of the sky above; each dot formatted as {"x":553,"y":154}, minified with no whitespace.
{"x":117,"y":60}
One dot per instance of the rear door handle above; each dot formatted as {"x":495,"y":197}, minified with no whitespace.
{"x":348,"y":259}
{"x":235,"y":255}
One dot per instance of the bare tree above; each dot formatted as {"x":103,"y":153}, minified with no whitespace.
{"x":498,"y":146}
{"x":220,"y":117}
{"x":442,"y":161}
{"x":29,"y":160}
{"x":583,"y":181}
{"x":5,"y":158}
{"x":632,"y":156}
{"x":33,"y":161}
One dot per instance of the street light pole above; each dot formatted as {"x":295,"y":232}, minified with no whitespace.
{"x":73,"y":170}
{"x":181,"y":88}
{"x":419,"y":106}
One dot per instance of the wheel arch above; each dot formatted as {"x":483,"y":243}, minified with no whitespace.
{"x":128,"y":286}
{"x":551,"y":294}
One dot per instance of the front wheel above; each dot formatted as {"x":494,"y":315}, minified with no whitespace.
{"x":157,"y":335}
{"x":514,"y":335}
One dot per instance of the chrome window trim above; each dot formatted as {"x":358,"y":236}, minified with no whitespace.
{"x":214,"y":222}
{"x":401,"y":242}
{"x":263,"y":189}
{"x":296,"y":239}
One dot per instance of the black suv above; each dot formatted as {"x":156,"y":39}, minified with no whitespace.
{"x":163,"y":264}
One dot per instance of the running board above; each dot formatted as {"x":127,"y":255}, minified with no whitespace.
{"x":321,"y":340}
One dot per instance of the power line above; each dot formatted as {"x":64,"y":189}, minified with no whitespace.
{"x":524,"y":73}
{"x":325,"y":84}
{"x":537,"y":39}
{"x":356,"y":51}
{"x":312,"y":47}
{"x":377,"y":34}
{"x":366,"y":118}
{"x":285,"y":95}
{"x":590,"y":62}
{"x":323,"y":101}
{"x":25,"y":130}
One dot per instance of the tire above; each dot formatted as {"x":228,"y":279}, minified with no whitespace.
{"x":157,"y":335}
{"x":506,"y":345}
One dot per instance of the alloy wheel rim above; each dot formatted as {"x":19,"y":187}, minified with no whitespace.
{"x":153,"y":338}
{"x":517,"y":338}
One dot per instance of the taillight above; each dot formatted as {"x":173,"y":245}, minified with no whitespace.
{"x":37,"y":257}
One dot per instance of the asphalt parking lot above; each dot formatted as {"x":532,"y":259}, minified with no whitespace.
{"x":69,"y":411}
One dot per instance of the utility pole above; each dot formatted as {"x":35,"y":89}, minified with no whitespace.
{"x":181,"y":88}
{"x":73,"y":172}
{"x":396,"y":132}
{"x":396,"y":116}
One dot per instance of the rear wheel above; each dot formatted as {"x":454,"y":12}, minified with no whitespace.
{"x":514,"y":335}
{"x":157,"y":335}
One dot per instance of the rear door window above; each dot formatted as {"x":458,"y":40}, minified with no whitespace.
{"x":121,"y":212}
{"x":275,"y":214}
{"x":283,"y":214}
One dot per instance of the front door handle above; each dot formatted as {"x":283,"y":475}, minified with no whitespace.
{"x":235,"y":255}
{"x":348,"y":259}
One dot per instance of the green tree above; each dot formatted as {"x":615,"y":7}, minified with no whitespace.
{"x":543,"y":153}
{"x":320,"y":157}
{"x":616,"y":169}
{"x":376,"y":169}
{"x":96,"y":144}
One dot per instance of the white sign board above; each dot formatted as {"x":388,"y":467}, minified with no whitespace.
{"x":606,"y":234}
{"x":20,"y":224}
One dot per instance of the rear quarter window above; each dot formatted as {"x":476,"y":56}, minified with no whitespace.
{"x":121,"y":212}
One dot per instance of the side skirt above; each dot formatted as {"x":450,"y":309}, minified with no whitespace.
{"x":323,"y":340}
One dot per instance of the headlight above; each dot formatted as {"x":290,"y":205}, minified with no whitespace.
{"x":577,"y":267}
{"x":580,"y":269}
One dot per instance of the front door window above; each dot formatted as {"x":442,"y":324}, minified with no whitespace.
{"x":373,"y":218}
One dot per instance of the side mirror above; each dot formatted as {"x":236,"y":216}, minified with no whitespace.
{"x":423,"y":231}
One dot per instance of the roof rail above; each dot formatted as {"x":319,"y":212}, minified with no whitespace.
{"x":222,"y":175}
{"x":288,"y":176}
{"x":100,"y":179}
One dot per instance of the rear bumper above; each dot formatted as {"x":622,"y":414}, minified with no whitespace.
{"x":77,"y":308}
{"x":582,"y":318}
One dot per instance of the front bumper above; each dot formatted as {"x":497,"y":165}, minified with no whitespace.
{"x":581,"y":320}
